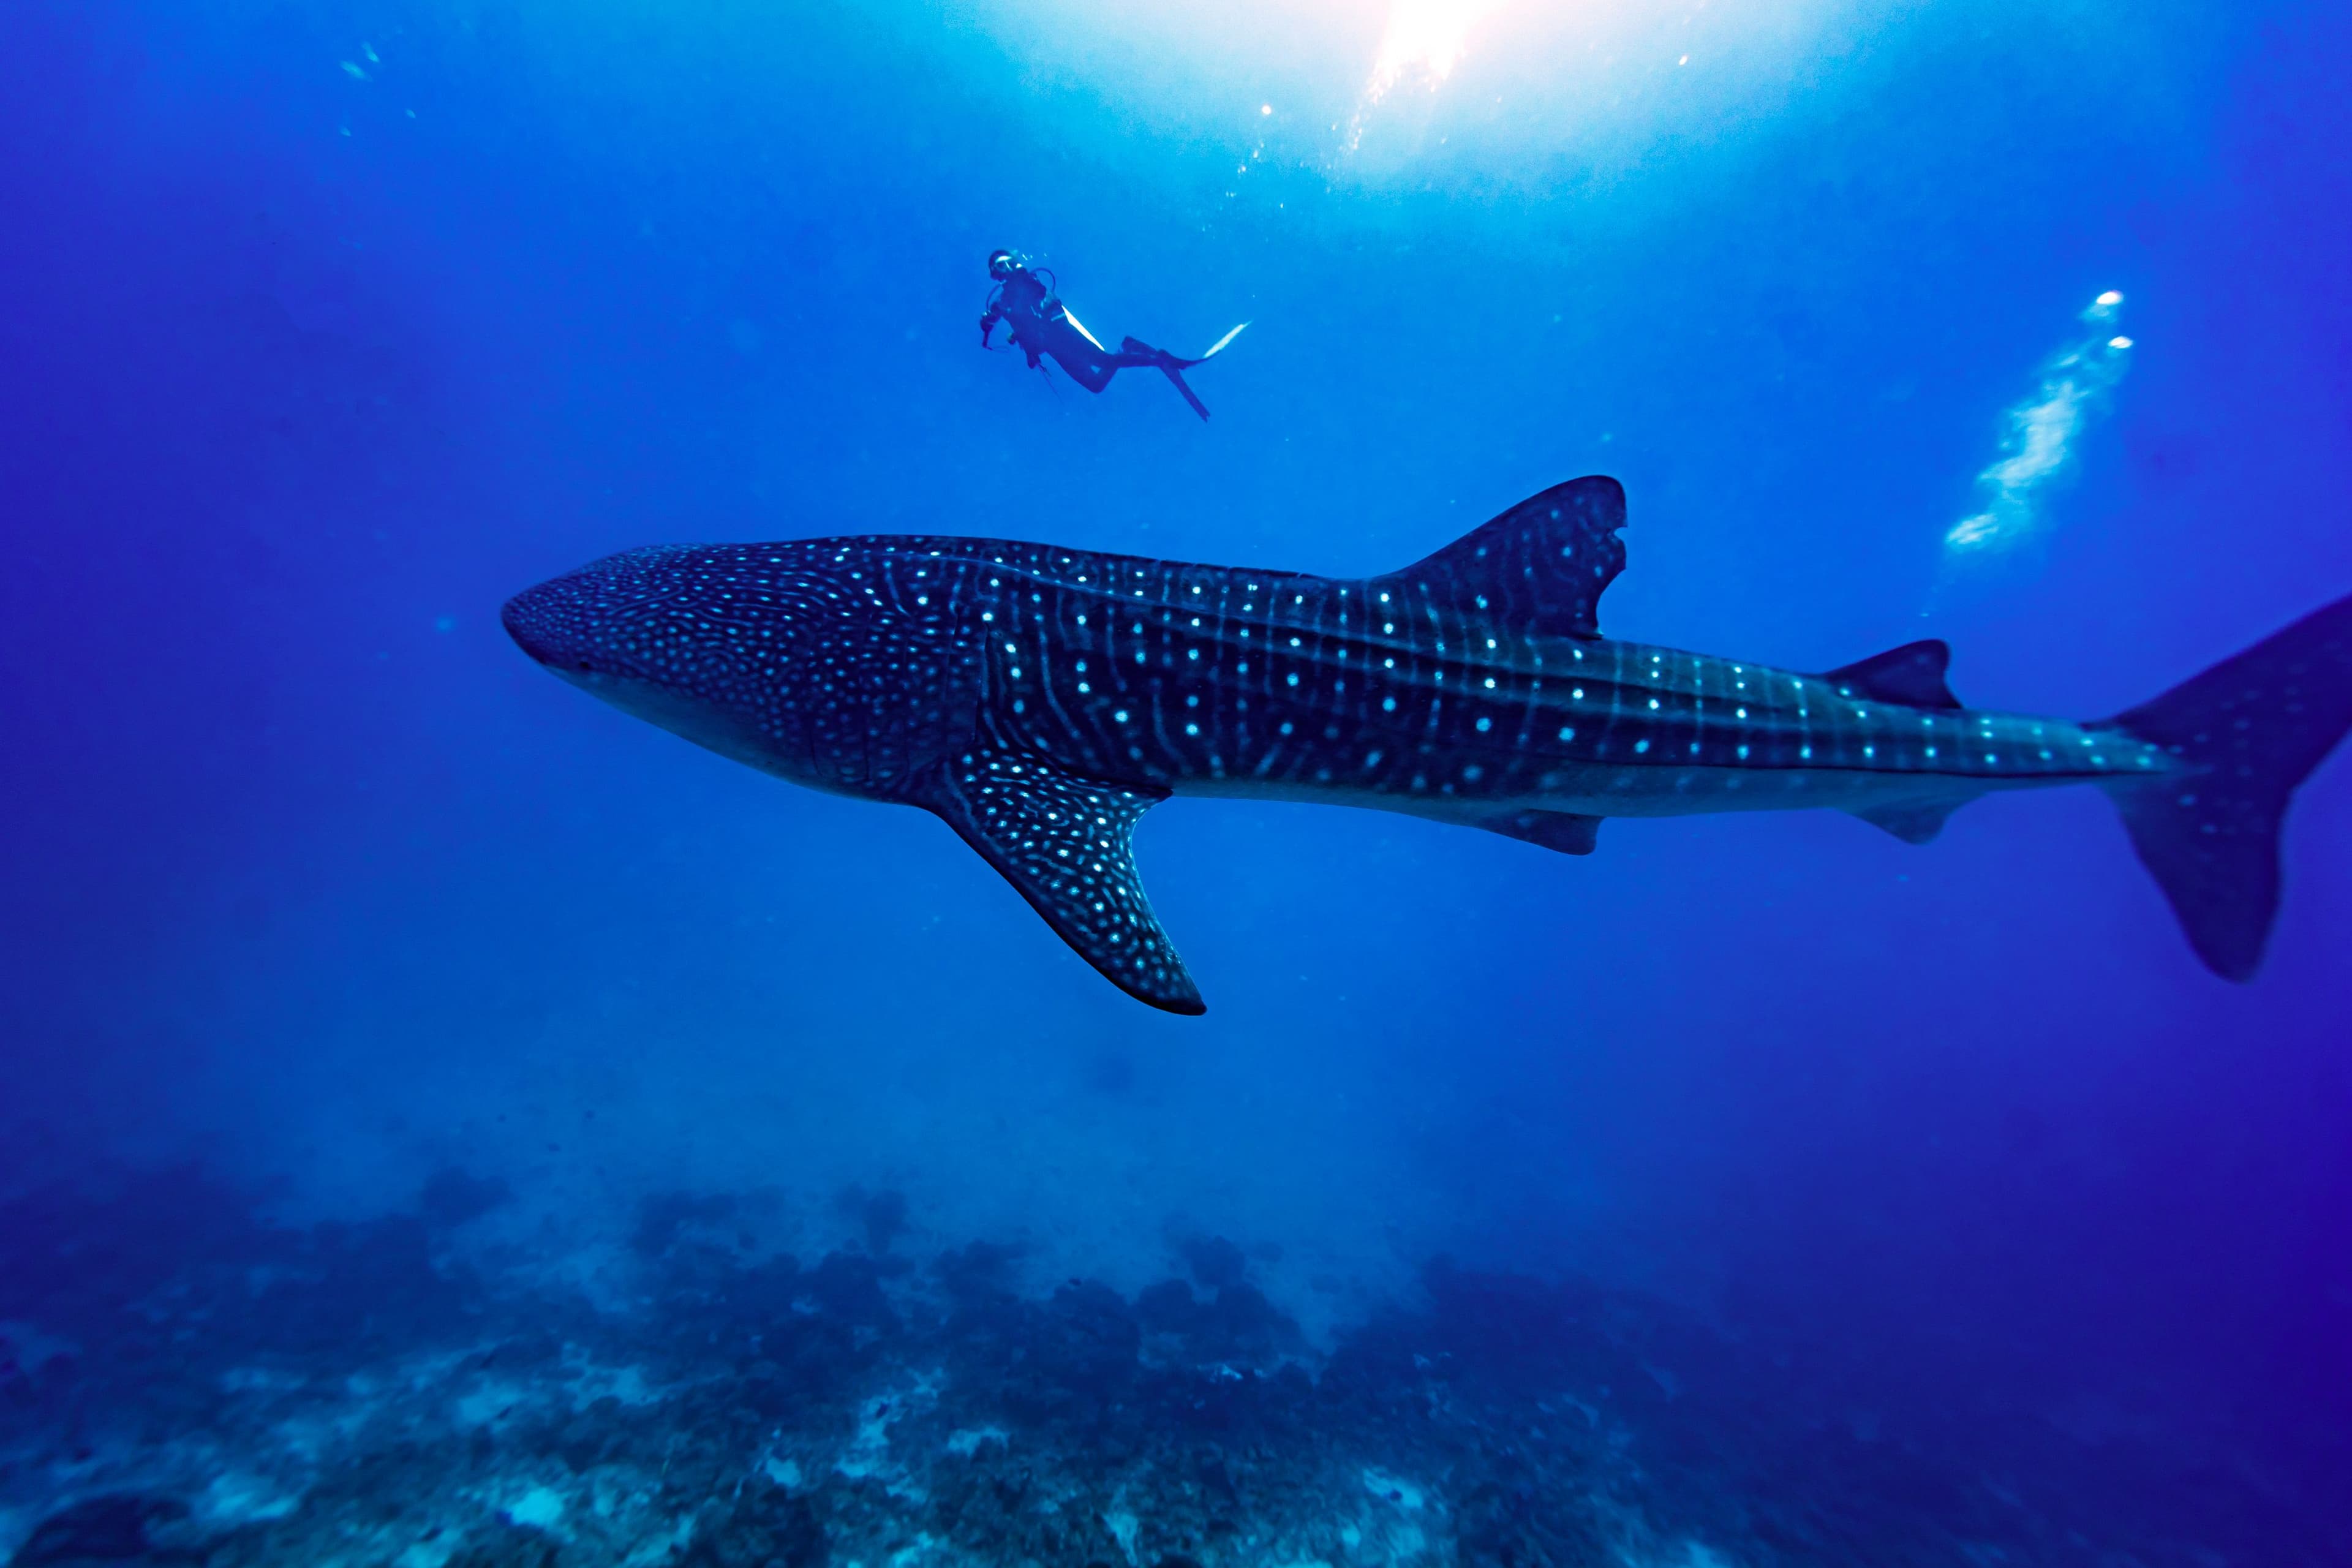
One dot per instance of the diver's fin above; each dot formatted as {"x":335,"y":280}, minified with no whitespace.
{"x":1565,"y":831}
{"x":1540,"y":566}
{"x":1913,"y":823}
{"x":1169,"y":366}
{"x":1213,"y":350}
{"x":1066,"y":844}
{"x":1912,"y":674}
{"x":1134,"y":345}
{"x":1176,"y":379}
{"x":1072,"y":317}
{"x":2249,"y":730}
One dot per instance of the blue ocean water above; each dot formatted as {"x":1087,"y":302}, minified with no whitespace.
{"x":445,"y":1121}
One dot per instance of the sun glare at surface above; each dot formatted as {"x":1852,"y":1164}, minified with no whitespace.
{"x":1424,"y":40}
{"x":1488,"y":92}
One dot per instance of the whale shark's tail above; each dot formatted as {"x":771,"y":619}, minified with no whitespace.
{"x":2249,"y":730}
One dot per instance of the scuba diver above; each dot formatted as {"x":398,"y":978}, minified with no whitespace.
{"x":1040,"y":325}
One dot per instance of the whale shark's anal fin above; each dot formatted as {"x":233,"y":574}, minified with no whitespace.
{"x":1067,"y":844}
{"x":1540,"y":567}
{"x":1565,"y":831}
{"x":1913,"y":823}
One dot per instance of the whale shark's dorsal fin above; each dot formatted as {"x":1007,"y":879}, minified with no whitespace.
{"x":1066,"y":844}
{"x":1912,"y":674}
{"x":1540,"y":566}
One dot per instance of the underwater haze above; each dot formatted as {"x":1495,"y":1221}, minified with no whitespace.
{"x":448,"y":1122}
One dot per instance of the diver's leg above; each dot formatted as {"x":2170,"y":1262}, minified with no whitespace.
{"x":1092,"y":371}
{"x":1136,"y":352}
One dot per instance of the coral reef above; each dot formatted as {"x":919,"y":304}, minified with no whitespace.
{"x":184,"y":1382}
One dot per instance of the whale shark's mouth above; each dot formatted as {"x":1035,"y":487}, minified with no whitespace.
{"x":567,"y":623}
{"x":666,"y":706}
{"x":539,"y":619}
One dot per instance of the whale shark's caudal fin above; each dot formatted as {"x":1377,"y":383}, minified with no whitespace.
{"x":2249,"y":730}
{"x":1067,"y":844}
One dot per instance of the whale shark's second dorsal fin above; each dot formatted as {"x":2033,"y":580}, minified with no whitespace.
{"x":1912,"y":674}
{"x":1540,"y":566}
{"x":1067,"y":844}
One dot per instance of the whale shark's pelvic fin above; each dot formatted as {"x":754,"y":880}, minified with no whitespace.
{"x":2248,"y":731}
{"x":1566,"y":831}
{"x":1539,"y":567}
{"x":1066,"y":844}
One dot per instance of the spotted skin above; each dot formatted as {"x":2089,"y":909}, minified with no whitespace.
{"x":1041,"y":699}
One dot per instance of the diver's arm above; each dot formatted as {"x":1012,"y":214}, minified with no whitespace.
{"x":988,"y":319}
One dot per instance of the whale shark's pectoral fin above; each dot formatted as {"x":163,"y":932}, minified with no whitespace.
{"x":1067,"y":844}
{"x":1913,"y":824}
{"x":1565,"y":831}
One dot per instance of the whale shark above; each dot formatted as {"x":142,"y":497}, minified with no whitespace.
{"x":1040,"y":699}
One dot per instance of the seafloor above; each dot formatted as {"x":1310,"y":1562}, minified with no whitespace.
{"x":184,"y":1381}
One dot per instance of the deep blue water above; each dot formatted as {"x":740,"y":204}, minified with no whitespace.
{"x":324,"y":327}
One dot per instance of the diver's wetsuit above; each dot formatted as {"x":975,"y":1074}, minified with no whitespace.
{"x":1041,"y":327}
